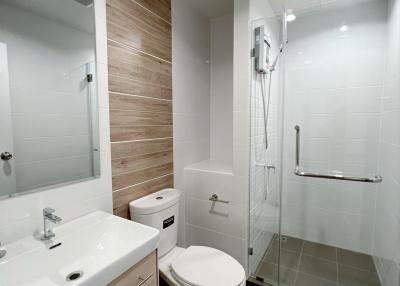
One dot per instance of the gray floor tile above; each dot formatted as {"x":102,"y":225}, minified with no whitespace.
{"x":254,"y":282}
{"x":289,"y":259}
{"x":309,"y":280}
{"x":319,"y":250}
{"x":291,"y":243}
{"x":269,"y":272}
{"x":355,"y":259}
{"x":349,"y":276}
{"x":318,"y":267}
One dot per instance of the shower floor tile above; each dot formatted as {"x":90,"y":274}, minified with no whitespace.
{"x":305,"y":263}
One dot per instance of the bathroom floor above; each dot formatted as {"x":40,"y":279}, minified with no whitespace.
{"x":306,"y":263}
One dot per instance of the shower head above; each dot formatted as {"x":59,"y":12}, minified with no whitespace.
{"x":272,"y":67}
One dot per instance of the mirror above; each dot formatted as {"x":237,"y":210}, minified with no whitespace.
{"x":48,"y":101}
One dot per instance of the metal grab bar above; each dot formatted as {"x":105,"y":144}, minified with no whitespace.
{"x":299,"y":172}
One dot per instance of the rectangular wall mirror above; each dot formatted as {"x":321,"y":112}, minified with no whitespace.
{"x":48,"y":101}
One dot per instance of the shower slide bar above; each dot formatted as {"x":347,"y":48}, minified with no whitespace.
{"x":299,"y":172}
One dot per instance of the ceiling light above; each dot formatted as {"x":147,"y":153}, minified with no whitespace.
{"x":290,"y":17}
{"x":343,"y":28}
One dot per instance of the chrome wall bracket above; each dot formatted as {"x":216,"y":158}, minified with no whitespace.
{"x":214,"y":198}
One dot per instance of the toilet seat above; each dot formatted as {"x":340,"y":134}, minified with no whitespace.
{"x":206,"y":266}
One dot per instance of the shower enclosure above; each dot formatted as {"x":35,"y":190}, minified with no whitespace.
{"x":324,"y":191}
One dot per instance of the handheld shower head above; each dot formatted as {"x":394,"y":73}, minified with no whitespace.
{"x":272,"y":67}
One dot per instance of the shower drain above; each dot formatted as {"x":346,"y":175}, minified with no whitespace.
{"x":74,"y":275}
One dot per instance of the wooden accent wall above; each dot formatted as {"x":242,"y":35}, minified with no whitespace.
{"x":140,"y":90}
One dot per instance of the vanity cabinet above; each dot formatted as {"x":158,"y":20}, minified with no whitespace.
{"x":143,"y":273}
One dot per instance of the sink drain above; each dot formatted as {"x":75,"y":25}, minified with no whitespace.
{"x":74,"y":275}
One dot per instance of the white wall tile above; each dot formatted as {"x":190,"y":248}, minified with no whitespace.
{"x":221,"y":89}
{"x":203,"y":108}
{"x":219,"y":217}
{"x":387,"y":220}
{"x":236,"y":247}
{"x":191,"y":94}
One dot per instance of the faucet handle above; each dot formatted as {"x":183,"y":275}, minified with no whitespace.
{"x":47,"y":211}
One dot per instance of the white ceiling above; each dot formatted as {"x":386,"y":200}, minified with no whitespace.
{"x":213,"y":8}
{"x":66,"y":12}
{"x":302,"y":5}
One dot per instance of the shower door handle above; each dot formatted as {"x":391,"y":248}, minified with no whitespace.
{"x":6,"y":156}
{"x":299,"y":172}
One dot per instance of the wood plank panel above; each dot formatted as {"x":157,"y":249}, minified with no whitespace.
{"x":122,"y":211}
{"x":134,"y":26}
{"x":138,"y":87}
{"x":132,"y":178}
{"x":161,"y":8}
{"x":123,"y":197}
{"x":137,"y":148}
{"x":140,"y":93}
{"x":145,"y":161}
{"x":129,"y":133}
{"x":127,"y":117}
{"x":130,"y":102}
{"x":135,"y":66}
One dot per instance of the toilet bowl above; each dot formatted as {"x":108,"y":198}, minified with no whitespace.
{"x":192,"y":266}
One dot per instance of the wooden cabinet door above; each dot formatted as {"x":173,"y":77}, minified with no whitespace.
{"x":144,"y":273}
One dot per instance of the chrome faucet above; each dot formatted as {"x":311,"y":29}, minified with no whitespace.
{"x":3,"y":252}
{"x":48,"y":219}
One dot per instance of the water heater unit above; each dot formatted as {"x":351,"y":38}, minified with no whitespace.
{"x":261,"y":50}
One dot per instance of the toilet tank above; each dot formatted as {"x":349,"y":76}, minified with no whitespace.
{"x":159,"y":210}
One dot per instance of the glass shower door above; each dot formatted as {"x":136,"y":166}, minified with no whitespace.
{"x":265,"y":157}
{"x":341,"y":91}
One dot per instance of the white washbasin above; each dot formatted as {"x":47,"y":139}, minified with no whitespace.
{"x":101,"y":245}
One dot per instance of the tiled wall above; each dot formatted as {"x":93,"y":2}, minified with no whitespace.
{"x":49,"y":102}
{"x":221,"y":89}
{"x":22,"y":216}
{"x":334,"y":82}
{"x":264,"y":205}
{"x":191,"y":85}
{"x":210,"y":128}
{"x":140,"y":92}
{"x":216,"y":224}
{"x":387,"y":221}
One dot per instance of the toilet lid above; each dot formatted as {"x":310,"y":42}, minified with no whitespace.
{"x":204,"y":266}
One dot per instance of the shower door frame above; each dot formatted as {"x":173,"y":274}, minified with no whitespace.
{"x":280,"y":110}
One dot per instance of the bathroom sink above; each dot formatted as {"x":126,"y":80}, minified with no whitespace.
{"x":99,"y":246}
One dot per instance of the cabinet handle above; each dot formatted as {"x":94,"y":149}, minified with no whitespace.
{"x":142,"y":281}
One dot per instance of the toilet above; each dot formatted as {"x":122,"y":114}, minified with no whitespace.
{"x":192,"y":266}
